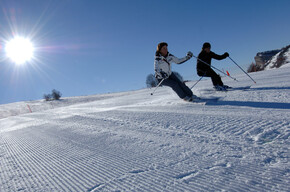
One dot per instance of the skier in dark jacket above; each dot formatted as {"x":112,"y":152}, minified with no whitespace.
{"x":162,"y":66}
{"x":205,"y":70}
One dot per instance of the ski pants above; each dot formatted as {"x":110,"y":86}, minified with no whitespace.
{"x":215,"y":78}
{"x":179,"y":87}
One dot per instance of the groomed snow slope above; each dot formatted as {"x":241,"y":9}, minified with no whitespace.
{"x":132,"y":141}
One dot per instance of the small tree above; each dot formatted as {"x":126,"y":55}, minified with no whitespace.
{"x":56,"y":94}
{"x":151,"y":81}
{"x":47,"y":97}
{"x":252,"y":68}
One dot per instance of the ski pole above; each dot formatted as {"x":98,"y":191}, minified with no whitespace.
{"x":197,"y":82}
{"x":157,"y":86}
{"x":242,"y":69}
{"x":215,"y":68}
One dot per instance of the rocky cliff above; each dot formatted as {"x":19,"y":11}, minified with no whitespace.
{"x":263,"y":57}
{"x":279,"y":59}
{"x":271,"y":59}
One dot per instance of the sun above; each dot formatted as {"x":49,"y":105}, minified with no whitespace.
{"x":19,"y":50}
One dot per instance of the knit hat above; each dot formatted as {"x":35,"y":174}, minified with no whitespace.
{"x":206,"y":45}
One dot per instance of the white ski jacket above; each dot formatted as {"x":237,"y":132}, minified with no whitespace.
{"x":163,"y":64}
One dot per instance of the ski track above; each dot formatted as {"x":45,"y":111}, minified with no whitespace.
{"x":148,"y":145}
{"x":86,"y":168}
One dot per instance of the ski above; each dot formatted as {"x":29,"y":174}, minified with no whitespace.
{"x":238,"y":88}
{"x":205,"y":100}
{"x":232,"y":89}
{"x":212,"y":91}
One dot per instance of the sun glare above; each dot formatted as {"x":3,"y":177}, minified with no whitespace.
{"x":19,"y":50}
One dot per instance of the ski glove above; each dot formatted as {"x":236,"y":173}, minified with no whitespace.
{"x":226,"y":54}
{"x":189,"y":55}
{"x":164,"y":75}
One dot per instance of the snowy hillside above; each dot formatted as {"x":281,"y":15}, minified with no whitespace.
{"x":133,"y":141}
{"x":280,"y":59}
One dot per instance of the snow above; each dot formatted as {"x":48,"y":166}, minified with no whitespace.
{"x":132,"y":141}
{"x":271,"y":64}
{"x":287,"y":55}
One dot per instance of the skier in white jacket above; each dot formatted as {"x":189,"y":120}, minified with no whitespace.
{"x":162,"y":65}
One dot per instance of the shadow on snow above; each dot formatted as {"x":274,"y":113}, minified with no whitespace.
{"x":266,"y":88}
{"x":273,"y":105}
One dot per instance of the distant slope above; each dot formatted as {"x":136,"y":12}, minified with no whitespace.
{"x":18,"y":108}
{"x":280,"y":59}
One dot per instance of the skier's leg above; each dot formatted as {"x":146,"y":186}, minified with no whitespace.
{"x":215,"y":78}
{"x":182,"y":85}
{"x":175,"y":86}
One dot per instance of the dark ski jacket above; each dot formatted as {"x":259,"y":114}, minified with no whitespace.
{"x":201,"y":67}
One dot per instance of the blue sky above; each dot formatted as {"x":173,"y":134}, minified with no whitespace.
{"x":85,"y":47}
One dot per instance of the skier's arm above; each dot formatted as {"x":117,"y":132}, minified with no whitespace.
{"x":181,"y":60}
{"x":219,"y":57}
